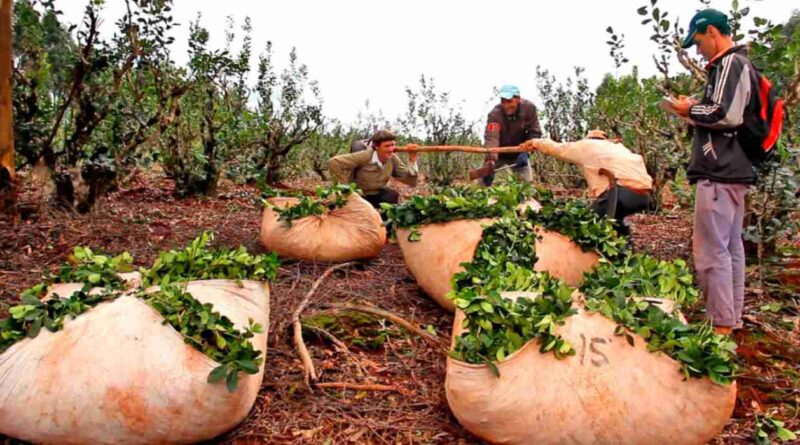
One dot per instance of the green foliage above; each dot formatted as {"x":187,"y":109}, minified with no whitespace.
{"x":772,"y":213}
{"x":198,"y":262}
{"x":456,"y":203}
{"x":28,"y":319}
{"x":431,"y":119}
{"x":575,"y":220}
{"x":572,"y":218}
{"x":326,"y":200}
{"x":496,"y":327}
{"x":766,"y":425}
{"x":94,"y":270}
{"x":696,"y":347}
{"x":209,"y":332}
{"x":213,"y":112}
{"x":288,"y":114}
{"x":566,"y":106}
{"x":201,"y":327}
{"x":640,"y":275}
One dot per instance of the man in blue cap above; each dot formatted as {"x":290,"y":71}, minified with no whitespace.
{"x":513,"y":121}
{"x":720,"y":167}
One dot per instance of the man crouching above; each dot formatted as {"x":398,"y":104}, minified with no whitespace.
{"x":371,"y":169}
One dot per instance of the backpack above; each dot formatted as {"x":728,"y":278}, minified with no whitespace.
{"x":360,"y":145}
{"x":762,"y":126}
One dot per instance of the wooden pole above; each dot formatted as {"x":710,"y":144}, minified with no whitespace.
{"x":461,"y":148}
{"x":6,"y":120}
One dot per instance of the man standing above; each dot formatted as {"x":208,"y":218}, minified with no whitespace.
{"x":371,"y":169}
{"x":719,"y":166}
{"x":512,"y":122}
{"x":617,"y":178}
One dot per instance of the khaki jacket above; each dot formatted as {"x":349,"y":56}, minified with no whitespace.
{"x":591,"y":155}
{"x":368,"y":173}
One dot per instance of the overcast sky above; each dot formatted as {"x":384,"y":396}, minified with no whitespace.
{"x":363,"y":50}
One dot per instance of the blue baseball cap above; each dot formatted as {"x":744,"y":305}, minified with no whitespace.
{"x":509,"y":92}
{"x":700,"y":22}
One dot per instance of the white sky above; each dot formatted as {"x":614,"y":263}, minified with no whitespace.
{"x":362,"y":50}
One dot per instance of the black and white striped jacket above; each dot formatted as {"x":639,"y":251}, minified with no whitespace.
{"x":730,"y":94}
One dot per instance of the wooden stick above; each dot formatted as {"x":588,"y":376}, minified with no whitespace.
{"x":461,"y":148}
{"x":308,"y":365}
{"x":394,"y":318}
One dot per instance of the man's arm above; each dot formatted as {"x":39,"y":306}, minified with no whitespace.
{"x":725,"y":107}
{"x":491,"y":136}
{"x":566,"y":151}
{"x":342,"y":168}
{"x":407,"y":174}
{"x":534,"y":129}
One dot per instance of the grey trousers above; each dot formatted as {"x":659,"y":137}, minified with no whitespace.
{"x":718,"y":249}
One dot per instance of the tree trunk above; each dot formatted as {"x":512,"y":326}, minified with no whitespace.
{"x":7,"y":174}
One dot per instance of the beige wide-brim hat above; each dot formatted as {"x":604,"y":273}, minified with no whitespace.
{"x":596,"y":134}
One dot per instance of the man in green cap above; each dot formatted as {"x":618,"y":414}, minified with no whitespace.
{"x":720,"y":167}
{"x":511,"y":122}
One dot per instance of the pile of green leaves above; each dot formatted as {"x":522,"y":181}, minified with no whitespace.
{"x":199,"y":262}
{"x":458,"y":203}
{"x":700,"y":351}
{"x":28,"y":319}
{"x":575,"y":220}
{"x":209,"y":332}
{"x":612,"y":290}
{"x":268,"y":192}
{"x":327,"y":199}
{"x":496,"y":327}
{"x":644,"y":276}
{"x":94,"y":270}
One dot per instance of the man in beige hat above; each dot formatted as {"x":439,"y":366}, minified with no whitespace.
{"x":617,"y":178}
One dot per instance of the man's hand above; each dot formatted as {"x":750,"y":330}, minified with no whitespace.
{"x":528,"y":145}
{"x":683,"y":105}
{"x":490,"y":158}
{"x":412,"y":155}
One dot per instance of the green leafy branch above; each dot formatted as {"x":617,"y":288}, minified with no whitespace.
{"x":198,"y":262}
{"x":459,"y":203}
{"x":28,"y":319}
{"x":326,"y":200}
{"x":611,"y":290}
{"x":209,"y":332}
{"x":496,"y":327}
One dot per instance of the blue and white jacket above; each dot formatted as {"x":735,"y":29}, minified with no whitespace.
{"x":730,"y":94}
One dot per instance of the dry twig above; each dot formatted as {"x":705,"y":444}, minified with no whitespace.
{"x":308,"y":366}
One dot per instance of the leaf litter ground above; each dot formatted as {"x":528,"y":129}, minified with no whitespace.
{"x":402,"y":399}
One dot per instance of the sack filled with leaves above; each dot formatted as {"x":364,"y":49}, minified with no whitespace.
{"x":440,"y":232}
{"x":337,"y":225}
{"x":177,"y":364}
{"x":611,"y":389}
{"x":537,"y":361}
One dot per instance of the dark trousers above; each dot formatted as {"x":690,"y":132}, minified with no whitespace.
{"x":385,"y":194}
{"x":619,"y":202}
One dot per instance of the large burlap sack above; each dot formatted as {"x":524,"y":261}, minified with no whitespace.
{"x":118,"y":375}
{"x":438,"y":255}
{"x":351,"y":232}
{"x":608,"y":393}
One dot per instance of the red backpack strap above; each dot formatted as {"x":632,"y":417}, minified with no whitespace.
{"x":764,"y":88}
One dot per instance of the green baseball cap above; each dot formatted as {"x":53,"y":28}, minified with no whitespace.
{"x":508,"y":92}
{"x":700,"y":22}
